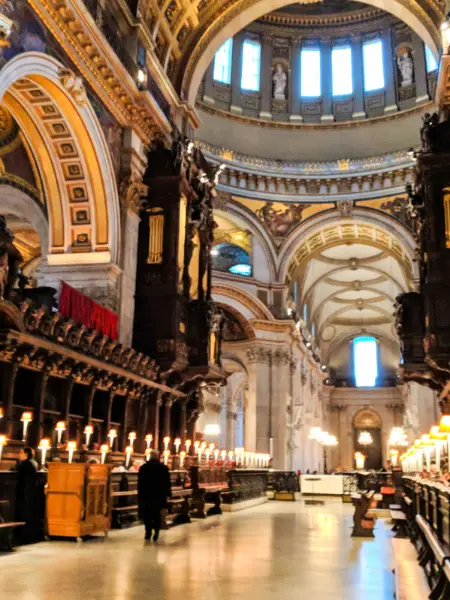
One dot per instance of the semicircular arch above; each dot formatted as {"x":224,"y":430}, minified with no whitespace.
{"x":226,"y":21}
{"x":52,"y":109}
{"x":247,"y":305}
{"x":366,"y":418}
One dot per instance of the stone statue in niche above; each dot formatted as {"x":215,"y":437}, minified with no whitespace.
{"x":279,"y":83}
{"x":406,"y":67}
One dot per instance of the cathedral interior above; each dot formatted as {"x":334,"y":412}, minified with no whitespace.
{"x":225,"y":236}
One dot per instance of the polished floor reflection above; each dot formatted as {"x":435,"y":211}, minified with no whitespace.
{"x":282,"y":551}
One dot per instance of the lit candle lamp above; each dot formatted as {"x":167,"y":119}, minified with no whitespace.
{"x":166,"y":441}
{"x":203,"y":446}
{"x":148,"y":440}
{"x":2,"y":443}
{"x":71,"y":447}
{"x":128,"y":453}
{"x":199,"y":454}
{"x":394,"y":457}
{"x":147,"y":454}
{"x":132,"y":438}
{"x":60,"y":428}
{"x":104,"y":449}
{"x":44,"y":445}
{"x":196,"y":447}
{"x":223,"y":454}
{"x":211,"y":447}
{"x":182,"y":456}
{"x":230,"y":455}
{"x":237,"y":453}
{"x":216,"y":454}
{"x":88,"y":431}
{"x":112,"y":436}
{"x":177,"y":445}
{"x":188,"y":444}
{"x":166,"y":454}
{"x":207,"y":454}
{"x":26,"y":418}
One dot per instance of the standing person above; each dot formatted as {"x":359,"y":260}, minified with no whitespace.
{"x":153,"y":490}
{"x":27,"y":496}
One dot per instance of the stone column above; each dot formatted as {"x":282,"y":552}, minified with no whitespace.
{"x":68,"y":388}
{"x":167,"y":410}
{"x":389,"y":76}
{"x":266,"y":77}
{"x":229,"y":415}
{"x":39,"y":403}
{"x":326,"y":84}
{"x":257,"y":422}
{"x":88,"y":402}
{"x":208,"y":95}
{"x":124,"y":436}
{"x":236,"y":73}
{"x":159,"y":401}
{"x":420,"y":69}
{"x":279,"y":405}
{"x":183,"y":419}
{"x":9,"y":384}
{"x":295,"y":98}
{"x":359,"y":111}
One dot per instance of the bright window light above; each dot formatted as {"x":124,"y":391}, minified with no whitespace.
{"x":305,"y":312}
{"x":222,"y":62}
{"x":341,"y":63}
{"x":365,"y":361}
{"x":430,"y":60}
{"x":310,"y":73}
{"x":251,"y":65}
{"x":373,"y":66}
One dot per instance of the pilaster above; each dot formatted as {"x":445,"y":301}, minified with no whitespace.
{"x":295,"y":98}
{"x":420,"y":69}
{"x":326,"y":75}
{"x":358,"y":79}
{"x":389,"y":76}
{"x":236,"y":72}
{"x":257,"y":418}
{"x":266,"y":77}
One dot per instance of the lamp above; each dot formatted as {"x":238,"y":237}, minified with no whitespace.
{"x":444,"y":427}
{"x":440,"y":440}
{"x":166,"y":454}
{"x":188,"y":444}
{"x":394,"y":457}
{"x":148,"y":440}
{"x":71,"y":447}
{"x":2,"y":443}
{"x":360,"y":460}
{"x":60,"y":428}
{"x":112,"y":435}
{"x":177,"y":445}
{"x":427,"y":446}
{"x":314,"y":433}
{"x":104,"y":449}
{"x":44,"y":445}
{"x":166,"y":441}
{"x":365,"y":438}
{"x":132,"y":438}
{"x":398,"y":437}
{"x":182,"y":456}
{"x":26,"y":418}
{"x":128,"y":452}
{"x":88,"y":431}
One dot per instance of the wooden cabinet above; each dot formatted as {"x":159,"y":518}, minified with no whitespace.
{"x":78,"y":499}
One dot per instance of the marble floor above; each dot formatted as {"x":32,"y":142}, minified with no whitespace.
{"x":283,"y":551}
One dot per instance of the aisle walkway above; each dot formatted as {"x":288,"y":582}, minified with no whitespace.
{"x":282,"y":551}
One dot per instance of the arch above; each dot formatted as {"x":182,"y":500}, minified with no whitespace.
{"x":401,"y":244}
{"x":247,"y":305}
{"x":16,"y":202}
{"x":51,"y":107}
{"x":240,"y":13}
{"x":366,"y":418}
{"x":246,"y":326}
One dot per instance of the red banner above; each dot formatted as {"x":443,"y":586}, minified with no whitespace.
{"x":79,"y":307}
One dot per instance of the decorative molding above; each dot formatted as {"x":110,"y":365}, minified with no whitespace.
{"x":259,"y":355}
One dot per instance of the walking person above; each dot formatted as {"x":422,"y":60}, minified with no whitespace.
{"x":153,"y":491}
{"x":27,"y":509}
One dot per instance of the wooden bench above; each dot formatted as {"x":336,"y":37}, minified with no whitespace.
{"x":400,"y":521}
{"x":7,"y":529}
{"x":434,"y":560}
{"x":362,"y":524}
{"x":179,"y":508}
{"x":410,"y":580}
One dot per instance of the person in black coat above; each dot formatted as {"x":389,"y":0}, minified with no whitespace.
{"x":27,"y":496}
{"x":153,"y":491}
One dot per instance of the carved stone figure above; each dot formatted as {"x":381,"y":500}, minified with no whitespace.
{"x":4,"y":272}
{"x":406,"y":67}
{"x":280,"y":222}
{"x":279,"y":83}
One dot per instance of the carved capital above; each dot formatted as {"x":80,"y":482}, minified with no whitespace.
{"x":259,"y":354}
{"x":73,"y":84}
{"x":132,"y":193}
{"x":280,"y":357}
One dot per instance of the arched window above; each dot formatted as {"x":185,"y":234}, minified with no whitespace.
{"x":373,"y":65}
{"x":341,"y":63}
{"x":222,"y":62}
{"x":310,"y":73}
{"x":430,"y":60}
{"x":313,"y":330}
{"x":231,"y":258}
{"x":251,"y":65}
{"x":365,"y":361}
{"x":305,"y":312}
